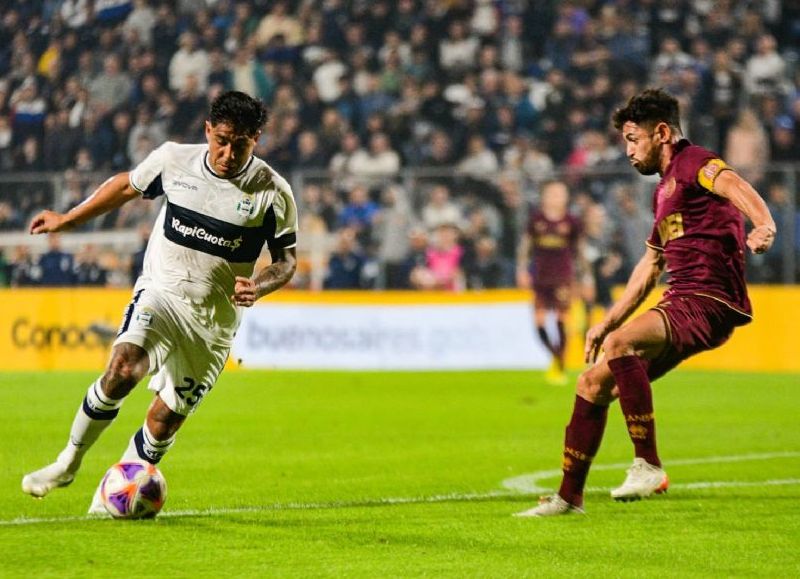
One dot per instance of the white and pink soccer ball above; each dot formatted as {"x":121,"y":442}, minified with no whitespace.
{"x":133,"y":490}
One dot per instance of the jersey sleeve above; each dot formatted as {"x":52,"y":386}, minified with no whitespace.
{"x":146,"y":177}
{"x":654,"y":241}
{"x":284,"y":214}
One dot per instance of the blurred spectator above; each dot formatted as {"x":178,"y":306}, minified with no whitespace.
{"x":340,"y":163}
{"x":110,"y":88}
{"x":346,"y":263}
{"x":444,"y":260}
{"x":191,"y":108}
{"x":747,"y":147}
{"x":88,"y":271}
{"x":248,"y":76}
{"x":23,"y":271}
{"x":635,"y":224}
{"x":144,"y":135}
{"x":766,"y":69}
{"x":29,"y":110}
{"x":440,"y":210}
{"x":61,"y":141}
{"x":6,"y":139}
{"x":670,"y":59}
{"x":57,"y":267}
{"x":279,"y":22}
{"x":359,"y":213}
{"x":309,"y":154}
{"x":316,"y":210}
{"x":140,"y":22}
{"x":605,"y":262}
{"x":486,"y":269}
{"x":480,"y":162}
{"x":188,"y":61}
{"x":393,"y":223}
{"x":10,"y":219}
{"x":29,"y":156}
{"x":528,"y":157}
{"x":457,"y":52}
{"x":784,"y":146}
{"x":75,"y":13}
{"x":377,"y":164}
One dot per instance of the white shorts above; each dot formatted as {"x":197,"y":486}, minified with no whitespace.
{"x":184,"y":363}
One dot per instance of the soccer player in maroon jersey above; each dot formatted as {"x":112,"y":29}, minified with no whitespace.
{"x":699,"y":237}
{"x":547,"y":252}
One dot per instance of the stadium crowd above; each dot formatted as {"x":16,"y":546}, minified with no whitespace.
{"x":490,"y":97}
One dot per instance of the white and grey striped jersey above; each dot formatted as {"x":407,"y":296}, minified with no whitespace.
{"x":210,"y":229}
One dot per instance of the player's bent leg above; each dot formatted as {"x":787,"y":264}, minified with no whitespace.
{"x":128,"y":364}
{"x":595,"y":391}
{"x":644,"y":337}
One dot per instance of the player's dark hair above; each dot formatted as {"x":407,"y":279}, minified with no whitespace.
{"x":242,"y":112}
{"x":650,"y":107}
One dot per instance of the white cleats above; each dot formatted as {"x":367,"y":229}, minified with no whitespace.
{"x":551,"y":506}
{"x":643,"y":480}
{"x":40,"y":482}
{"x":97,"y":508}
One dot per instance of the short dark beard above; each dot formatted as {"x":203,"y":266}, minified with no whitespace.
{"x":649,"y":166}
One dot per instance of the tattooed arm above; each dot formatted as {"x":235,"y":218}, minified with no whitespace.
{"x":273,"y":277}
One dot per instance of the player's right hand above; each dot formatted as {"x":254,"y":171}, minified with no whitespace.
{"x":594,"y":341}
{"x":760,"y":238}
{"x":47,"y":222}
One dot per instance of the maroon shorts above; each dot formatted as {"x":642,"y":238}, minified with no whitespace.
{"x":694,"y":324}
{"x":552,"y":297}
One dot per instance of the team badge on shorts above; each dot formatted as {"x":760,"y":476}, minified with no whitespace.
{"x":144,"y":317}
{"x":245,"y":207}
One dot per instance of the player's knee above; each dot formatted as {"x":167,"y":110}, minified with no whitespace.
{"x":122,"y":374}
{"x":591,"y":388}
{"x":616,"y":345}
{"x":586,"y":387}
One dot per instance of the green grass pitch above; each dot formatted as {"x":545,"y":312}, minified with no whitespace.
{"x":313,"y":474}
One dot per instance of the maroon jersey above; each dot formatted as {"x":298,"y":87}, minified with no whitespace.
{"x":701,"y":234}
{"x":553,"y":247}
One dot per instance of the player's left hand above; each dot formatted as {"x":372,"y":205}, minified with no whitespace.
{"x":244,"y":292}
{"x":761,"y":238}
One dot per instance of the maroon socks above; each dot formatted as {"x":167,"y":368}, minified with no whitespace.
{"x":636,"y":401}
{"x":581,"y":441}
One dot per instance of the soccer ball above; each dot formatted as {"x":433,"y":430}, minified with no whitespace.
{"x":133,"y":490}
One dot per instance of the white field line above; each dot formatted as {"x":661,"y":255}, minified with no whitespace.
{"x":516,"y":486}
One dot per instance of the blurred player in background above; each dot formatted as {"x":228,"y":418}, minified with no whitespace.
{"x":546,"y":261}
{"x":699,"y":237}
{"x":222,"y":204}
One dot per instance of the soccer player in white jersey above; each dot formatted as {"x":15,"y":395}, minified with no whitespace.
{"x":222,"y":204}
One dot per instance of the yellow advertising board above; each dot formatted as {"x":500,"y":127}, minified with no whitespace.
{"x":71,"y":329}
{"x":58,"y":329}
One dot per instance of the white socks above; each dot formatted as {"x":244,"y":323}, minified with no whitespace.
{"x":93,"y":417}
{"x":144,"y":446}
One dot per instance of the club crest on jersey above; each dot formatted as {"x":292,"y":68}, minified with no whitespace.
{"x":669,"y":188}
{"x":245,"y":207}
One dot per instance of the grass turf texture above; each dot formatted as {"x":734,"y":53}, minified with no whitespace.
{"x":294,"y":469}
